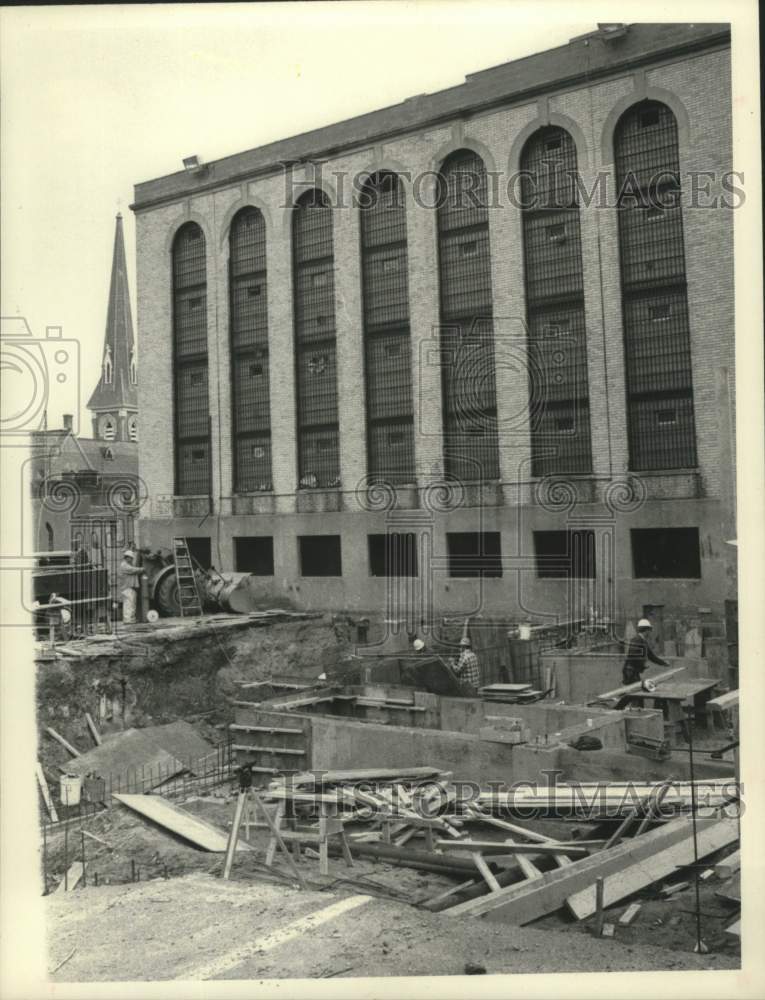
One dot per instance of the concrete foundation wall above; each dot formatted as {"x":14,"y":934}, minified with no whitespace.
{"x":580,"y":679}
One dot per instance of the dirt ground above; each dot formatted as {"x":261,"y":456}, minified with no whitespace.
{"x":111,"y":930}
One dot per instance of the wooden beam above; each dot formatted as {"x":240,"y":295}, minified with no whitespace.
{"x":42,"y":782}
{"x":510,"y":847}
{"x":93,"y":730}
{"x":728,"y":866}
{"x":71,"y":878}
{"x":637,"y":686}
{"x":60,"y":739}
{"x":645,"y":871}
{"x":522,"y":902}
{"x":629,"y":914}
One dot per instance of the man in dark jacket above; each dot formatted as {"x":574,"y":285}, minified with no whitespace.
{"x":638,"y":652}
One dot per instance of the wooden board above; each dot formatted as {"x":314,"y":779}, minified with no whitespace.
{"x":522,"y":902}
{"x":658,"y":865}
{"x":72,"y":878}
{"x":42,"y":782}
{"x":731,"y":891}
{"x":728,"y":866}
{"x":180,"y":822}
{"x":497,"y":847}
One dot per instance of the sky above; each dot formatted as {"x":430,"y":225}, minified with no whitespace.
{"x":96,"y":99}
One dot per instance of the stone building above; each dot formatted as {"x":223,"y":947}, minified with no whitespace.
{"x":472,"y":353}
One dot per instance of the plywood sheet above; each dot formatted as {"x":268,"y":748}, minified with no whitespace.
{"x":180,"y":822}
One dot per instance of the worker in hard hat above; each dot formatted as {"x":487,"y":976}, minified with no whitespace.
{"x":639,"y":652}
{"x":130,"y":582}
{"x":467,"y":667}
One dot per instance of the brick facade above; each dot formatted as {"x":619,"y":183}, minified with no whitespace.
{"x":695,"y":84}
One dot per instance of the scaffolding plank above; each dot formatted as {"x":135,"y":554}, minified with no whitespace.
{"x":520,"y":903}
{"x":180,"y":822}
{"x":658,"y":865}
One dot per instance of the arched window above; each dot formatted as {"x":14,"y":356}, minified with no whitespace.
{"x":560,"y":416}
{"x":467,"y":328}
{"x":251,"y":416}
{"x":657,"y":345}
{"x":387,"y":342}
{"x":133,"y":428}
{"x":192,"y":431}
{"x":315,"y":351}
{"x":108,"y":428}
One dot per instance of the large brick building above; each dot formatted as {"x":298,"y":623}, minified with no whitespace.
{"x":426,"y":297}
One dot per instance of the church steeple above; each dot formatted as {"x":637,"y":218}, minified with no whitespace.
{"x":114,"y":402}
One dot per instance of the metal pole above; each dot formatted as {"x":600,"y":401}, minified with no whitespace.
{"x":84,"y":876}
{"x":599,"y":916}
{"x":700,"y":948}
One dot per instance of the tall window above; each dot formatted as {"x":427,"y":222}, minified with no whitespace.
{"x":560,"y":417}
{"x":192,"y":432}
{"x":132,"y":426}
{"x":387,"y":343}
{"x":315,"y":348}
{"x":657,"y":347}
{"x":467,"y":329}
{"x":251,"y":417}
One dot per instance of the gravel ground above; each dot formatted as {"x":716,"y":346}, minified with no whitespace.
{"x":178,"y":928}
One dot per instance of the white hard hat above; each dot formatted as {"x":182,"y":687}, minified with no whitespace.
{"x":644,"y":623}
{"x":464,"y":641}
{"x":128,"y":552}
{"x":418,"y":644}
{"x":649,"y":685}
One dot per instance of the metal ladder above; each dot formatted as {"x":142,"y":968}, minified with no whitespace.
{"x":188,"y":594}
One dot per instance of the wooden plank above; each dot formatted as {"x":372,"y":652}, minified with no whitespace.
{"x":728,"y":866}
{"x":483,"y":868}
{"x":60,"y":739}
{"x":629,"y":914}
{"x":658,"y":865}
{"x":447,"y":893}
{"x":71,"y":879}
{"x":93,"y":729}
{"x":42,"y":782}
{"x":731,"y":891}
{"x":509,"y":847}
{"x":521,"y":903}
{"x":638,"y":685}
{"x":179,"y":821}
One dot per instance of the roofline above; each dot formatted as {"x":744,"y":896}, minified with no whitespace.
{"x":719,"y":39}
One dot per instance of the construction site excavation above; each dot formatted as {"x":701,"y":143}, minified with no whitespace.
{"x":387,"y":624}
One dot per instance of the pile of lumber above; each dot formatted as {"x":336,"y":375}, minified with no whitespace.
{"x":510,"y":693}
{"x":506,"y":870}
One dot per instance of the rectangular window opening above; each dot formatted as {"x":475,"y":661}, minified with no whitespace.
{"x":474,"y":554}
{"x":200,"y":551}
{"x":320,"y":555}
{"x":565,"y":555}
{"x":393,"y":554}
{"x":254,"y":554}
{"x":666,"y":553}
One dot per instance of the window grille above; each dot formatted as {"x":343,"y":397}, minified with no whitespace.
{"x":657,"y":345}
{"x":387,"y":342}
{"x":315,"y":353}
{"x":468,"y":381}
{"x":560,"y":431}
{"x":248,"y":294}
{"x":190,"y":363}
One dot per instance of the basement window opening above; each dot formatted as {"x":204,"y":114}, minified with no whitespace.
{"x":565,"y":555}
{"x":666,"y":553}
{"x":200,"y":550}
{"x":393,"y":554}
{"x":254,"y":554}
{"x":474,"y":554}
{"x":320,"y":555}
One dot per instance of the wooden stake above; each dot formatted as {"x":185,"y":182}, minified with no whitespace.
{"x":41,"y":780}
{"x":599,"y":906}
{"x":60,"y":739}
{"x":93,"y":730}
